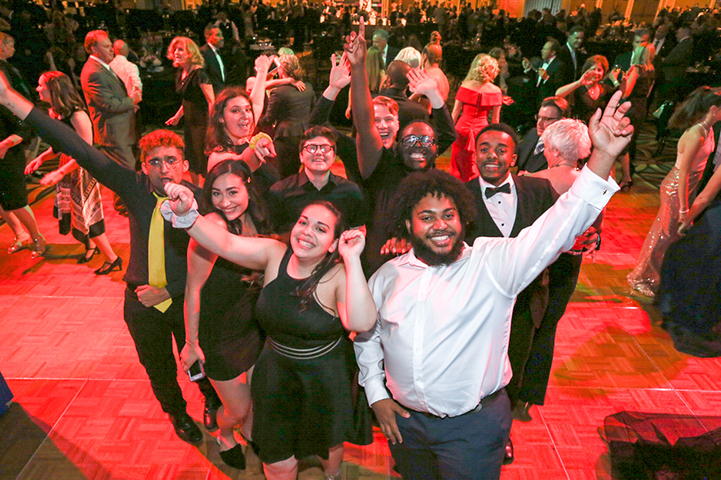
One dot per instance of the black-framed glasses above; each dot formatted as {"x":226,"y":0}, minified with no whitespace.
{"x":424,"y":140}
{"x":156,"y":162}
{"x":313,"y":148}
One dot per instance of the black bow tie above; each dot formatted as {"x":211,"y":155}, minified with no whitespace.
{"x":490,"y":191}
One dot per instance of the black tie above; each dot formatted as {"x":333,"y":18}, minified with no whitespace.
{"x":490,"y":191}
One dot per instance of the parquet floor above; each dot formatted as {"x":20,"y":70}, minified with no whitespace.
{"x":84,"y":409}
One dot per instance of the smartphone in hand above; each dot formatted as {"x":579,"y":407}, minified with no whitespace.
{"x":196,"y":371}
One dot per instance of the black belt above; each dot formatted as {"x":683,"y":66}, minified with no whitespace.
{"x":484,"y":402}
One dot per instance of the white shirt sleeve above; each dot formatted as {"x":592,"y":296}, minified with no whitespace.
{"x":369,"y":355}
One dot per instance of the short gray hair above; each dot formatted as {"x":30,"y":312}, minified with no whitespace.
{"x":569,"y":137}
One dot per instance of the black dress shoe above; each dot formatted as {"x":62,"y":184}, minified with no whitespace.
{"x":508,"y":453}
{"x":234,"y":457}
{"x":210,"y":413}
{"x":186,"y":428}
{"x":521,"y":412}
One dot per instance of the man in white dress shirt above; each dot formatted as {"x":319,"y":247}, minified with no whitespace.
{"x":435,"y":366}
{"x":127,"y":71}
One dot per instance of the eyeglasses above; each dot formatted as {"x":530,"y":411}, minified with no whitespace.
{"x":424,"y":140}
{"x":313,"y":148}
{"x":156,"y":162}
{"x":546,"y":119}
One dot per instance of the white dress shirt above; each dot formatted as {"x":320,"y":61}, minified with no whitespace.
{"x":220,"y":62}
{"x":544,"y":67}
{"x":501,"y":206}
{"x":441,"y":339}
{"x":129,"y":74}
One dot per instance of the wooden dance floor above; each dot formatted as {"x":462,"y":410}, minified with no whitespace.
{"x":84,"y":409}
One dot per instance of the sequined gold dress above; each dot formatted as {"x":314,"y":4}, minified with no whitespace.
{"x":646,"y":276}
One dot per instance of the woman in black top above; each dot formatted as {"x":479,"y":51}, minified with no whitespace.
{"x":301,"y":390}
{"x":193,"y":85}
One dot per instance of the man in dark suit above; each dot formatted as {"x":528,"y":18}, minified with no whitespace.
{"x":573,"y":55}
{"x":380,"y":41}
{"x":549,"y":76}
{"x":506,"y":204}
{"x":530,"y":150}
{"x":111,"y":109}
{"x":623,"y":61}
{"x":674,"y":65}
{"x":153,"y":307}
{"x":214,"y":64}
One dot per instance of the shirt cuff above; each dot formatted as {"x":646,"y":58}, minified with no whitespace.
{"x":375,"y":390}
{"x":593,"y":189}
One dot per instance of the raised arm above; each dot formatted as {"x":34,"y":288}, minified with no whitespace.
{"x":355,"y":304}
{"x":257,"y":95}
{"x":369,"y":145}
{"x":250,"y":252}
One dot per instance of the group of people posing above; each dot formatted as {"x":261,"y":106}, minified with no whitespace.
{"x":260,"y":275}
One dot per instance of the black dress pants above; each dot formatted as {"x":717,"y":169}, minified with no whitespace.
{"x":153,"y":332}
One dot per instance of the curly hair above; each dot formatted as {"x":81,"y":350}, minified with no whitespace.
{"x":196,"y":58}
{"x":417,"y":186}
{"x":484,"y":68}
{"x":159,"y":138}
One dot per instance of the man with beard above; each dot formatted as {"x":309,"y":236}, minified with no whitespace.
{"x":382,"y":161}
{"x":435,"y":365}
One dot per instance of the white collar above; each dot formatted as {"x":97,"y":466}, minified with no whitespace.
{"x":100,"y":61}
{"x":484,"y":184}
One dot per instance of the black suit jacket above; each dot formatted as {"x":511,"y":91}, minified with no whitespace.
{"x":288,"y":110}
{"x":527,"y":160}
{"x":391,"y":55}
{"x":556,"y":74}
{"x":213,"y":68}
{"x":675,"y":64}
{"x":571,"y":73}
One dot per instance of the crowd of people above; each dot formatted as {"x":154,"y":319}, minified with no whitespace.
{"x":292,"y":286}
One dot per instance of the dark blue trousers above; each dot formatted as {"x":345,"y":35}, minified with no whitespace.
{"x":466,"y":447}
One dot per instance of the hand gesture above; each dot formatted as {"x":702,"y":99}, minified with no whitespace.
{"x":421,"y":83}
{"x":589,"y":77}
{"x":386,"y":411}
{"x":355,"y":47}
{"x":264,"y":149}
{"x":52,"y":178}
{"x":149,"y":295}
{"x":300,"y":86}
{"x":190,"y":354}
{"x":351,"y":243}
{"x":339,"y":72}
{"x":263,"y":63}
{"x":395,"y":246}
{"x":180,"y":198}
{"x":33,"y":166}
{"x":611,"y":130}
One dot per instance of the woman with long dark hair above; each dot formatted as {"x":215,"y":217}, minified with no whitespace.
{"x":220,"y":328}
{"x":696,"y":116}
{"x":78,"y":203}
{"x":314,"y":293}
{"x":192,"y":83}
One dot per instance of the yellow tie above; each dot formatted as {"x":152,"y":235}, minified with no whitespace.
{"x":156,"y":253}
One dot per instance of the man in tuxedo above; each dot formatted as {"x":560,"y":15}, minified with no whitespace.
{"x":111,"y":109}
{"x":573,"y":55}
{"x":506,"y":204}
{"x":214,"y":64}
{"x":530,"y":150}
{"x":551,"y":74}
{"x":380,"y":41}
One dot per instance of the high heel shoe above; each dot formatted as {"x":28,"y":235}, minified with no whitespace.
{"x":39,"y":246}
{"x":107,"y":267}
{"x":89,"y":254}
{"x":19,"y":244}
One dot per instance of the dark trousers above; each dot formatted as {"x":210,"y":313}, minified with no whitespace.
{"x":466,"y":447}
{"x":153,"y":333}
{"x":287,"y":155}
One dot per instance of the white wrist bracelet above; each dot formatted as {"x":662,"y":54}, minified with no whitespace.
{"x":180,"y":221}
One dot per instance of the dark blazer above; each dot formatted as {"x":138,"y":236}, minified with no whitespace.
{"x":391,"y":55}
{"x":556,"y":73}
{"x":535,"y":196}
{"x":109,"y":106}
{"x":571,"y":73}
{"x":213,"y":68}
{"x":675,"y":64}
{"x":623,"y":61}
{"x":289,"y":110}
{"x":527,"y":160}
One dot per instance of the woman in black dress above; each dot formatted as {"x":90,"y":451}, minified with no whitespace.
{"x":302,"y":390}
{"x":220,"y":329}
{"x":193,"y":85}
{"x":589,"y":93}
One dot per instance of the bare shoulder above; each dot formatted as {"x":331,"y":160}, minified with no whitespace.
{"x":217,"y":219}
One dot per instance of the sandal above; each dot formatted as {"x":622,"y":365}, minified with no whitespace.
{"x":39,"y":246}
{"x":19,"y":244}
{"x":107,"y":267}
{"x":89,"y":254}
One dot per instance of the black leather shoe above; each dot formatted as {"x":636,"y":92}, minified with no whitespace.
{"x":209,"y":415}
{"x":186,"y":428}
{"x":508,"y":457}
{"x":234,"y":457}
{"x":521,"y":411}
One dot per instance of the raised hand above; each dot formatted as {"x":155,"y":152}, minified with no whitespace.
{"x":355,"y":47}
{"x":611,"y":130}
{"x":263,"y":63}
{"x":351,"y":243}
{"x":180,"y":198}
{"x":339,"y":77}
{"x":264,"y":148}
{"x":420,"y":82}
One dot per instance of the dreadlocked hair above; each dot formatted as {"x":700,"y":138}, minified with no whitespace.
{"x":306,"y":290}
